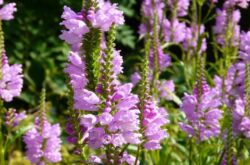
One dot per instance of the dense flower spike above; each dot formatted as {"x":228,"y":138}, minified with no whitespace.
{"x":233,"y":83}
{"x":43,"y":143}
{"x":203,"y":115}
{"x":153,"y":120}
{"x":122,"y":126}
{"x":116,"y":120}
{"x":202,"y":111}
{"x":11,"y":82}
{"x":149,"y":11}
{"x":7,"y":11}
{"x":222,"y":26}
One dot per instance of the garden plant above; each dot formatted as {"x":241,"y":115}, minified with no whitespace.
{"x":125,"y":82}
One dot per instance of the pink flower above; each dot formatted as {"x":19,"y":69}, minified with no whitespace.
{"x":11,"y":82}
{"x":76,"y":28}
{"x":43,"y":144}
{"x":106,"y":15}
{"x":154,"y":119}
{"x":6,"y":12}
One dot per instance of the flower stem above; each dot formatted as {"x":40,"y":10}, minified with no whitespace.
{"x":247,"y":89}
{"x":2,"y":148}
{"x":156,"y":69}
{"x":1,"y":48}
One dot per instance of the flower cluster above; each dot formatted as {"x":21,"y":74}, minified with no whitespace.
{"x":222,"y":26}
{"x":106,"y":15}
{"x":154,"y":119}
{"x":116,"y":118}
{"x":233,"y":83}
{"x":154,"y":17}
{"x":203,"y":114}
{"x":43,"y":143}
{"x":11,"y":82}
{"x":111,"y":117}
{"x":76,"y":23}
{"x":122,"y":126}
{"x":76,"y":28}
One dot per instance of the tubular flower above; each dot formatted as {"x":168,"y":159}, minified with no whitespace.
{"x":149,"y":10}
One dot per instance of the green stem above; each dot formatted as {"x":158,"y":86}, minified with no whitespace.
{"x":247,"y":89}
{"x":137,"y":155}
{"x":1,"y":48}
{"x":108,"y":66}
{"x":2,"y":148}
{"x":230,"y":139}
{"x":92,"y":50}
{"x":156,"y":70}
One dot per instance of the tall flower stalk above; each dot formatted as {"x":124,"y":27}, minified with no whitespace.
{"x":42,"y":141}
{"x":11,"y":83}
{"x":107,"y":112}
